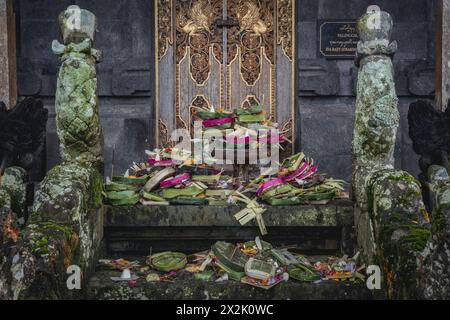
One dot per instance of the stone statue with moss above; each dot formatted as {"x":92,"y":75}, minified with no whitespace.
{"x":391,"y":221}
{"x":65,"y":225}
{"x":376,"y":115}
{"x":436,"y":256}
{"x":77,"y":114}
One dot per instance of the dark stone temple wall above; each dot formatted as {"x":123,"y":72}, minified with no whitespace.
{"x":326,"y":93}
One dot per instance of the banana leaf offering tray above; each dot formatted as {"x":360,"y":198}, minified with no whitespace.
{"x":164,"y":181}
{"x":256,"y":263}
{"x":212,"y":119}
{"x":297,"y":182}
{"x":259,"y":264}
{"x":245,"y":122}
{"x":224,"y":119}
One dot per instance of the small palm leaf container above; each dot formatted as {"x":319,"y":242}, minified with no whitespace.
{"x":167,"y":261}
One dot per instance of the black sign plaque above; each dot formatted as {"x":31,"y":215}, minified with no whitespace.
{"x":337,"y":39}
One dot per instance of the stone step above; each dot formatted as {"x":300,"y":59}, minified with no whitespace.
{"x":184,"y":287}
{"x":315,"y":229}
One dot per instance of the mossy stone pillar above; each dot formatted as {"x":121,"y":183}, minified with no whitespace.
{"x":77,"y":108}
{"x":376,"y":116}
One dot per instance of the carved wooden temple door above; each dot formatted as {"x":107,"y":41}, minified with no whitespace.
{"x":224,"y":53}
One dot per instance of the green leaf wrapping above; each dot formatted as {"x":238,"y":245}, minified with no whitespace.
{"x":252,"y":117}
{"x":133,"y":181}
{"x":206,"y":115}
{"x":172,"y":193}
{"x":168,"y":261}
{"x":114,"y":186}
{"x":134,"y":199}
{"x":249,"y":111}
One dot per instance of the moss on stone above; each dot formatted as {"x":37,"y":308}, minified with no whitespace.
{"x":393,"y":192}
{"x":40,"y":245}
{"x":5,"y":200}
{"x":53,"y":225}
{"x":41,"y":232}
{"x":65,"y":193}
{"x":13,"y":184}
{"x":414,"y":239}
{"x":396,"y":210}
{"x":63,"y":205}
{"x":417,"y":239}
{"x":60,"y":229}
{"x":441,"y":213}
{"x":97,"y":189}
{"x":76,"y":105}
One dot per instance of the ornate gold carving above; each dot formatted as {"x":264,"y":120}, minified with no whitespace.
{"x":250,"y":101}
{"x":287,"y":128}
{"x":249,"y":17}
{"x":195,"y":35}
{"x":221,"y":85}
{"x":163,"y":134}
{"x":199,"y":17}
{"x":273,"y":90}
{"x":285,"y":26}
{"x":179,"y":122}
{"x":256,"y":31}
{"x":201,"y":102}
{"x":200,"y":64}
{"x":268,"y":13}
{"x":164,"y":11}
{"x":195,"y":29}
{"x":189,"y":26}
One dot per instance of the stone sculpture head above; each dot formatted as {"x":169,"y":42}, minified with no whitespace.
{"x":77,"y":25}
{"x":375,"y":25}
{"x":375,"y":31}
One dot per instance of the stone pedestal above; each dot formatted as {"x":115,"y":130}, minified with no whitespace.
{"x":8,"y":86}
{"x":315,"y":229}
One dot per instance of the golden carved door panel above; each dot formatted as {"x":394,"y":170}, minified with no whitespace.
{"x":228,"y":53}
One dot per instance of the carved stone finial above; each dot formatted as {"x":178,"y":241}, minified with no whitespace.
{"x":77,"y":24}
{"x":375,"y":25}
{"x":375,"y":31}
{"x":78,"y":28}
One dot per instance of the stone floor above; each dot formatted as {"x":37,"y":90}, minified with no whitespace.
{"x":184,"y":287}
